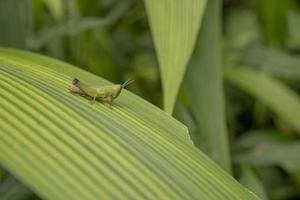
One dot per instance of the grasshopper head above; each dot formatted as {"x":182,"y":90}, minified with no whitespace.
{"x":75,"y":81}
{"x":118,"y":88}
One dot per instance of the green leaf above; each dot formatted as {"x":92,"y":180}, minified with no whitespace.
{"x":71,"y":27}
{"x":241,"y":27}
{"x":174,"y":28}
{"x":283,"y":101}
{"x":293,"y":39}
{"x":261,"y":149}
{"x":273,"y":60}
{"x":273,"y":15}
{"x":88,"y":8}
{"x":249,"y":179}
{"x":205,"y":86}
{"x":75,"y":26}
{"x":15,"y":22}
{"x":63,"y":147}
{"x":56,"y":8}
{"x":12,"y":189}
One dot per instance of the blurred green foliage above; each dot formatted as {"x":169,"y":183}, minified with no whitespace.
{"x":112,"y":38}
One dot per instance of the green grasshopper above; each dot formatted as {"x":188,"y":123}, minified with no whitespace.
{"x":105,"y":93}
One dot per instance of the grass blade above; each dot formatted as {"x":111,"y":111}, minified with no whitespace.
{"x":249,"y":179}
{"x":174,"y":28}
{"x":205,"y":86}
{"x":15,"y":22}
{"x":273,"y":15}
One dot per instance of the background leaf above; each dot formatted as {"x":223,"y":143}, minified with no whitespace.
{"x":204,"y":79}
{"x":75,"y":26}
{"x":12,"y":189}
{"x":56,"y":8}
{"x":274,"y":94}
{"x":273,"y":15}
{"x":65,"y":148}
{"x":14,"y":31}
{"x":249,"y":179}
{"x":174,"y":28}
{"x":272,"y":60}
{"x":264,"y":148}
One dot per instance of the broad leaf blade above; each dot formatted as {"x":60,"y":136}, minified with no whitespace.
{"x":174,"y":28}
{"x":65,"y":148}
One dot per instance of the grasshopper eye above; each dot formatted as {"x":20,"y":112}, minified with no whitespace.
{"x":75,"y":81}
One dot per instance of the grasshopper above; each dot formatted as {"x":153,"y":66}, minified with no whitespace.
{"x":77,"y":90}
{"x":106,"y":93}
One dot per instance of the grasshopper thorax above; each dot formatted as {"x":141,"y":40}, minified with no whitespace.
{"x":118,"y":88}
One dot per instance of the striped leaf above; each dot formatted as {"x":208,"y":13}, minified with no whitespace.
{"x":62,"y":147}
{"x":174,"y":28}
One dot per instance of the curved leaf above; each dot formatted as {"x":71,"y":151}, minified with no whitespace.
{"x":263,"y":148}
{"x":174,"y":27}
{"x":65,"y":148}
{"x":274,"y":61}
{"x":273,"y":93}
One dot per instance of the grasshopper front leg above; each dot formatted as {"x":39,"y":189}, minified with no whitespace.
{"x":93,"y":100}
{"x":110,"y":101}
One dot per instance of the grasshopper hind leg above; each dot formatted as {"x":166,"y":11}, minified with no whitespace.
{"x":108,"y":100}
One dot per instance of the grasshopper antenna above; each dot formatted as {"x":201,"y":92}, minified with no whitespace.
{"x":129,"y":81}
